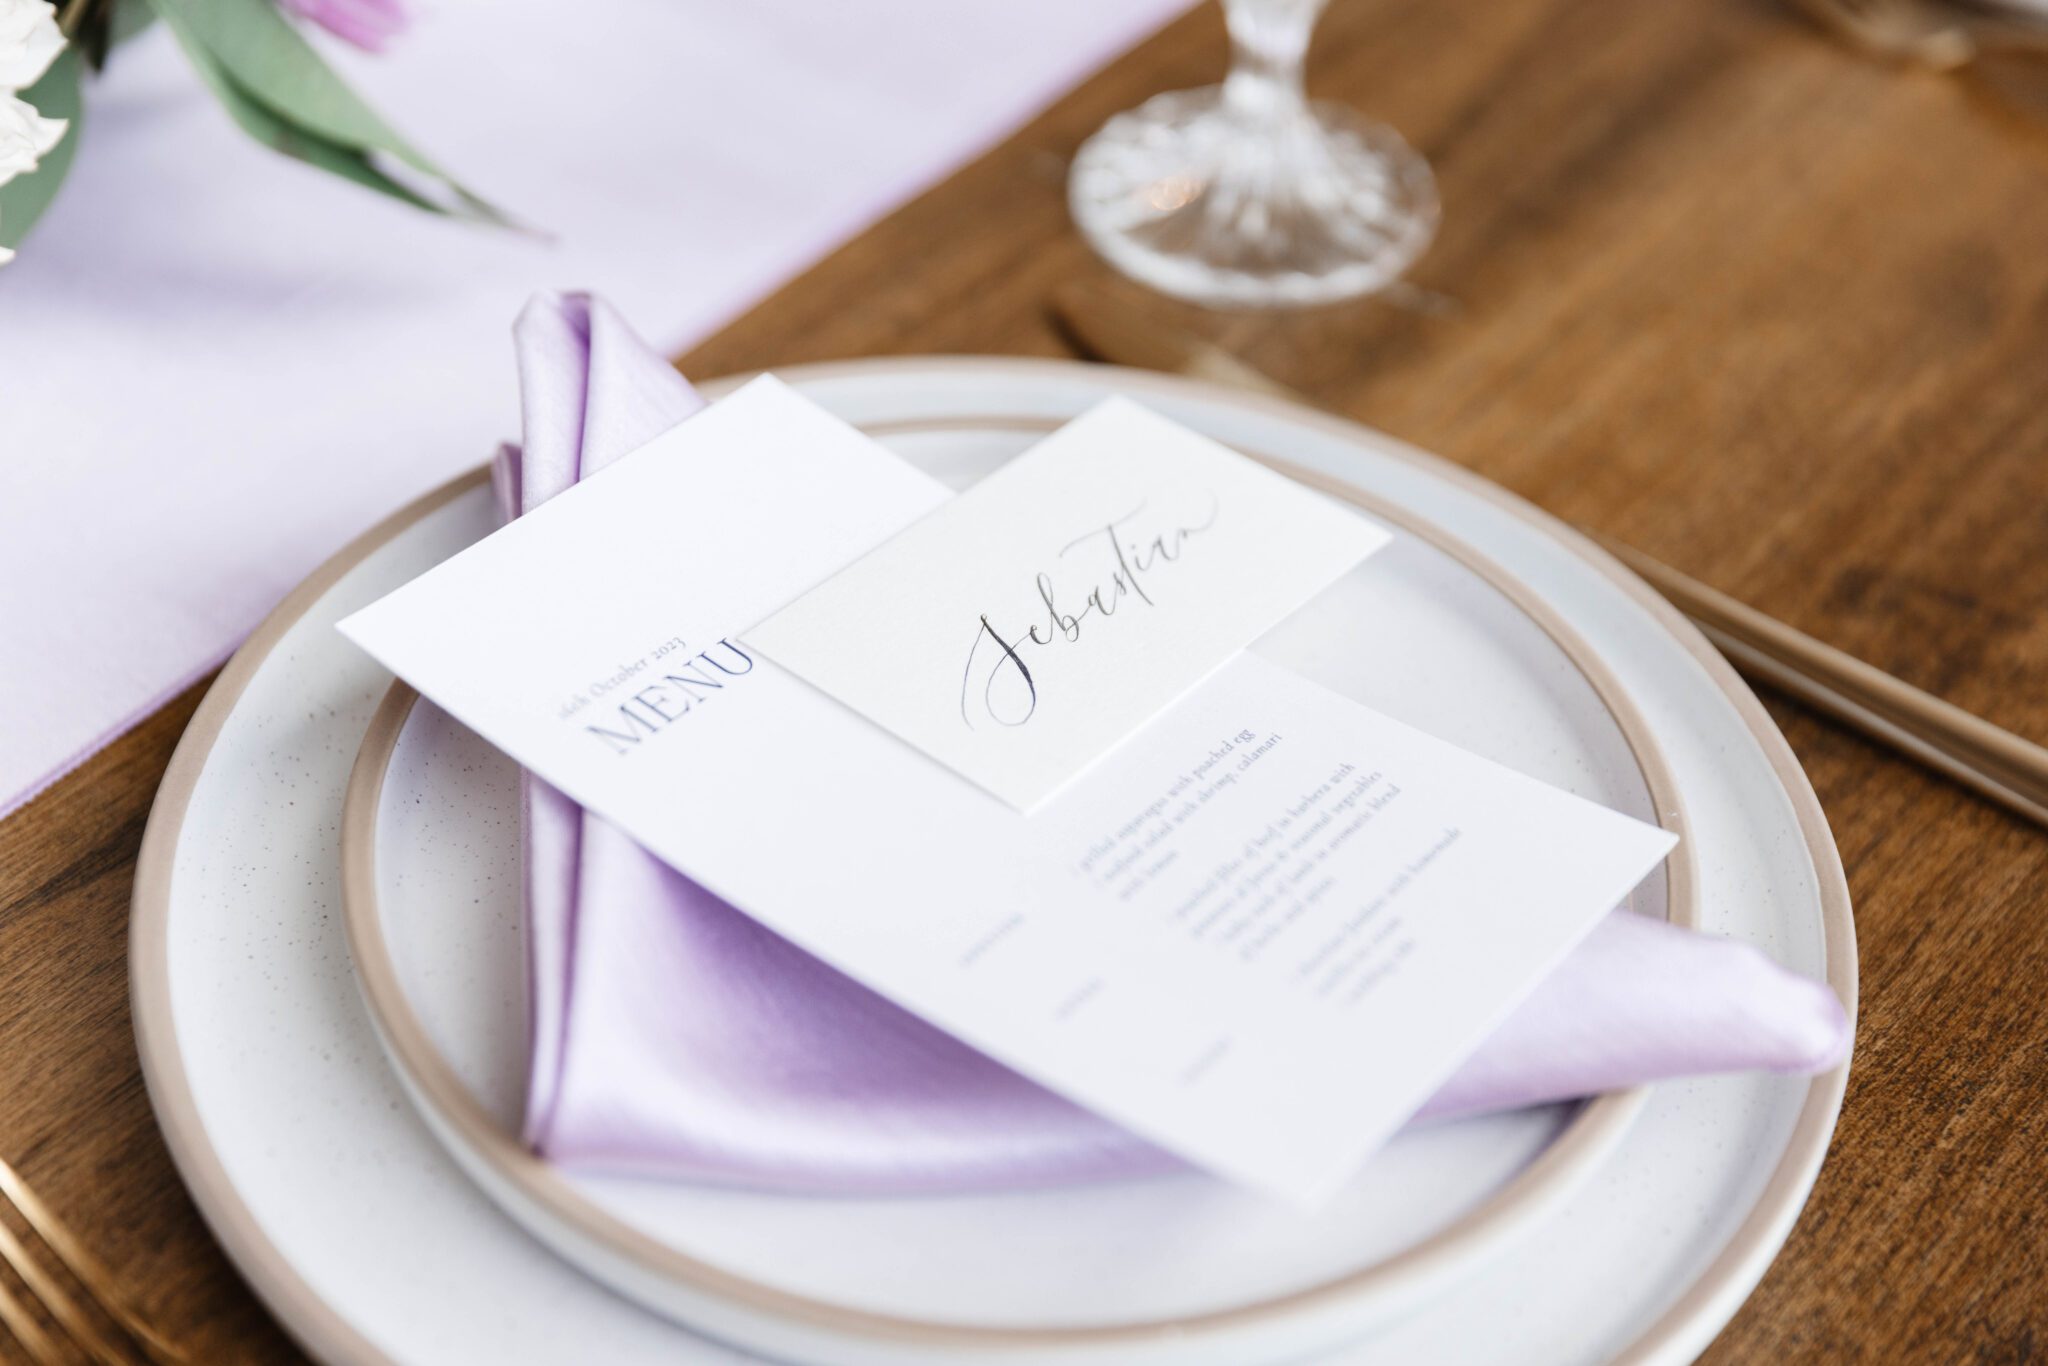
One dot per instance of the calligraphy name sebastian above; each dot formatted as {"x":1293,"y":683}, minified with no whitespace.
{"x":1101,"y":572}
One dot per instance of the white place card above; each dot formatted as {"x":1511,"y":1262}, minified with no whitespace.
{"x":1055,"y":607}
{"x":1260,"y":932}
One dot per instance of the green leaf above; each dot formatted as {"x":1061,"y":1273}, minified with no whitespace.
{"x":23,"y":199}
{"x":269,"y":64}
{"x":261,"y":123}
{"x":130,"y":18}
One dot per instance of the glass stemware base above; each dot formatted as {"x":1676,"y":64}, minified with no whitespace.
{"x":1191,"y":195}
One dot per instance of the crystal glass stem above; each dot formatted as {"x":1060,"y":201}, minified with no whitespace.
{"x":1247,"y":194}
{"x":1268,"y":49}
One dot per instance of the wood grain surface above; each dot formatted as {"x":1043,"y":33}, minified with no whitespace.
{"x":1706,"y":282}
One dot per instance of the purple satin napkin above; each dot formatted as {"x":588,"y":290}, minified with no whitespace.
{"x":673,"y":1035}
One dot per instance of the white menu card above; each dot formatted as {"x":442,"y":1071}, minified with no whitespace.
{"x":1066,"y":599}
{"x":1259,"y":928}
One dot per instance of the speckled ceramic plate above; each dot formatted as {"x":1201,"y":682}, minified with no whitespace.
{"x":345,"y":1217}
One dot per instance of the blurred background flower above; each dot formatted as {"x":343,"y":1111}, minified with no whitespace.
{"x":257,"y":63}
{"x":30,"y":42}
{"x":369,"y":24}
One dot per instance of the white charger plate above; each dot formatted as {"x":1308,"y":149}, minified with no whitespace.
{"x":353,"y":1227}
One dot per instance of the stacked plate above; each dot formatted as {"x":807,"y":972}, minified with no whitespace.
{"x":328,"y":995}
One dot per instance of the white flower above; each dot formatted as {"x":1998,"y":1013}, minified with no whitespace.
{"x":25,"y":136}
{"x":29,"y":41}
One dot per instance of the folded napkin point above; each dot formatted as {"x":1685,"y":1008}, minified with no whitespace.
{"x":1817,"y":1039}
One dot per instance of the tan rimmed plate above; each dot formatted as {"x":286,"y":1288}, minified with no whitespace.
{"x":1237,"y":1277}
{"x":926,"y":406}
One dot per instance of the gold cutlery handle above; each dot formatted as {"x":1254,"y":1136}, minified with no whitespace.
{"x":2000,"y":765}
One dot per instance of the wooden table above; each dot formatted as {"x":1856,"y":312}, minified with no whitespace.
{"x":1715,"y":286}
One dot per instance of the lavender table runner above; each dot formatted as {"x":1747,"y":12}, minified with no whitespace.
{"x":223,"y":365}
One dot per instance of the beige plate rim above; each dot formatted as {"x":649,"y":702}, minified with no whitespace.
{"x":1599,"y":1124}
